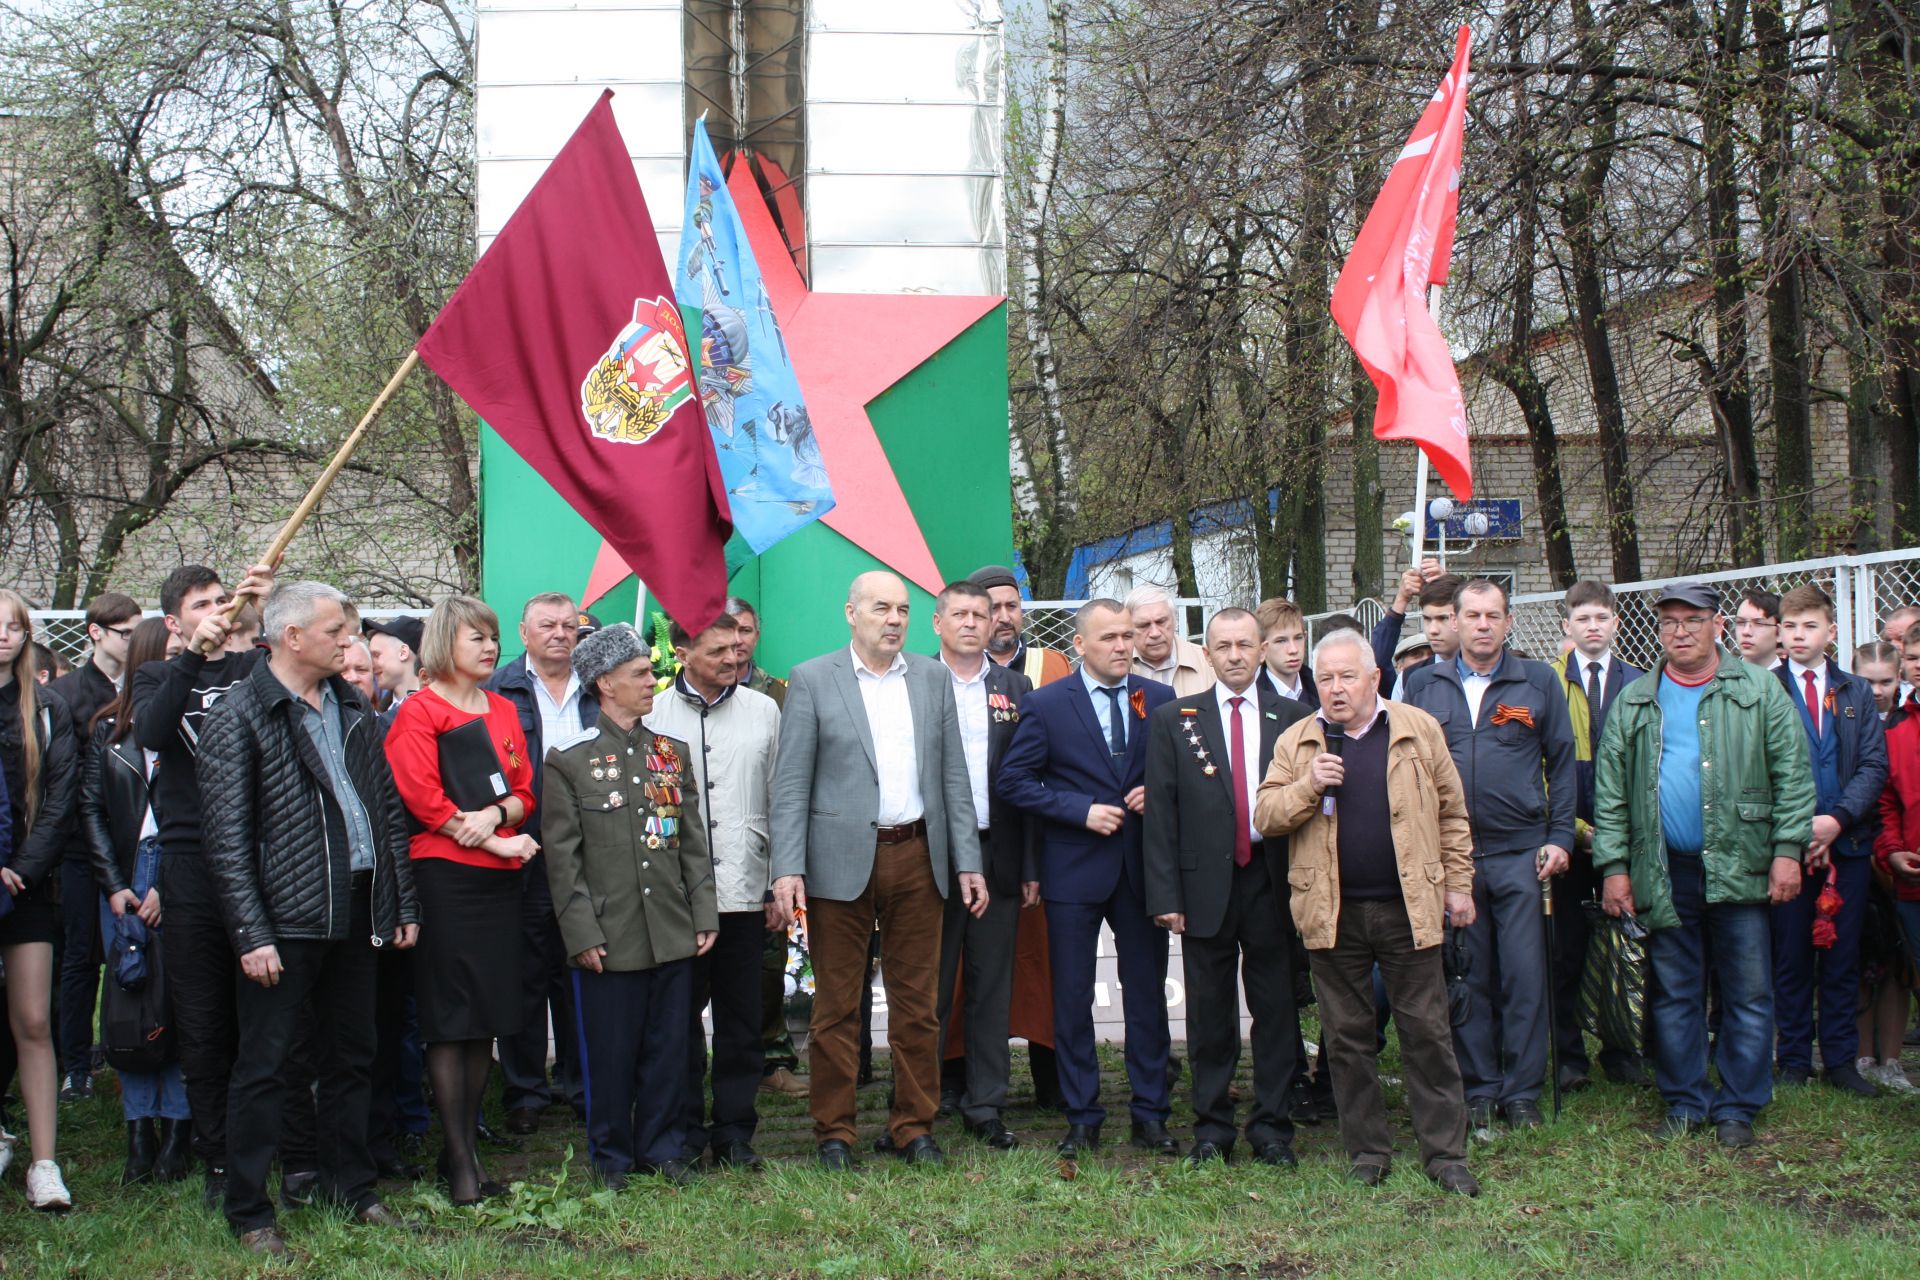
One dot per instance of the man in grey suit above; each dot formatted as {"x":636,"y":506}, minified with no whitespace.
{"x":872,"y":817}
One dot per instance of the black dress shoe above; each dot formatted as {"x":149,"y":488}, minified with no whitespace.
{"x":1522,"y":1113}
{"x":738,"y":1155}
{"x":493,"y":1137}
{"x":1455,"y":1178}
{"x":523,"y":1121}
{"x":994,"y":1133}
{"x":1734,"y":1133}
{"x":949,"y":1104}
{"x":1203,"y":1151}
{"x":1152,"y":1135}
{"x":923,"y":1150}
{"x":1303,"y":1107}
{"x":681,"y":1173}
{"x":214,"y":1194}
{"x":1081,"y":1140}
{"x":1367,"y":1175}
{"x":1277,"y":1154}
{"x":397,"y":1168}
{"x":1795,"y":1075}
{"x":1574,"y":1079}
{"x":883,"y":1145}
{"x":1849,"y":1080}
{"x":836,"y":1156}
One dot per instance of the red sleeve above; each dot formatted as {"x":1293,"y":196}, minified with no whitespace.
{"x":413,"y":750}
{"x":1893,"y":825}
{"x":511,"y":746}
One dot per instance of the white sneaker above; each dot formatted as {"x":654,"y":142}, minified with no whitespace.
{"x":46,"y":1190}
{"x":1889,"y":1074}
{"x":6,"y":1151}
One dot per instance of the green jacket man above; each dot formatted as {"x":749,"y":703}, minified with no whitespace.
{"x":1756,"y":789}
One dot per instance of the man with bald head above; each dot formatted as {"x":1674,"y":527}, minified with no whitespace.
{"x":873,"y":822}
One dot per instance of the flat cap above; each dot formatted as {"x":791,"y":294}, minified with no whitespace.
{"x":606,"y":649}
{"x":1697,"y":594}
{"x":993,"y":575}
{"x":1411,"y":640}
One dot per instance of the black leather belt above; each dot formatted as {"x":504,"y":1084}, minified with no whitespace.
{"x":915,"y":830}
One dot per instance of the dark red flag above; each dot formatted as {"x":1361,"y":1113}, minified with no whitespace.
{"x":566,"y":340}
{"x":1380,"y":300}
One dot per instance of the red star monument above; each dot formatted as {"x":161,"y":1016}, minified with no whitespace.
{"x":847,"y":349}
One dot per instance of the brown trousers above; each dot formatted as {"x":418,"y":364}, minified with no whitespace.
{"x":1371,"y":933}
{"x":904,"y":899}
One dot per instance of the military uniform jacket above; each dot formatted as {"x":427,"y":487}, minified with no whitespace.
{"x":626,"y":849}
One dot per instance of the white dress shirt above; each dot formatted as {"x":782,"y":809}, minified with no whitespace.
{"x":1799,"y":674}
{"x":1581,"y":663}
{"x":1250,"y":740}
{"x":970,"y":697}
{"x":1475,"y":686}
{"x":895,"y":758}
{"x":1299,"y":685}
{"x":1103,"y":707}
{"x":560,"y":720}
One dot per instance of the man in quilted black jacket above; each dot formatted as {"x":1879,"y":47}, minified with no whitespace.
{"x":307,"y":842}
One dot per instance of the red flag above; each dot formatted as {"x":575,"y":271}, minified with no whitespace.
{"x":566,"y":340}
{"x":1380,"y":300}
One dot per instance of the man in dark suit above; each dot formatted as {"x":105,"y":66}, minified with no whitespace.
{"x":1593,"y":676}
{"x":872,"y":819}
{"x":1212,"y":879}
{"x":1078,"y":766}
{"x":987,"y":698}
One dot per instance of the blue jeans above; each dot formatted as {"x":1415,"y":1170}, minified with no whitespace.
{"x":147,"y":1095}
{"x":1742,"y":960}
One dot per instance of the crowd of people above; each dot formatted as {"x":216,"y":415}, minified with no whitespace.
{"x":348,"y":866}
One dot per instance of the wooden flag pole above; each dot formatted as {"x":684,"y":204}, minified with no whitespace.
{"x":320,"y":486}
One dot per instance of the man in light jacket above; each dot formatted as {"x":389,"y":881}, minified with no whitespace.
{"x":1381,"y":860}
{"x":732,"y":732}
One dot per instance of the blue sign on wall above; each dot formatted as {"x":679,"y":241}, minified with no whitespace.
{"x":1503,"y":520}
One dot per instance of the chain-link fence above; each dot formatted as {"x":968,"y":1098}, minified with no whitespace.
{"x":1049,"y":623}
{"x":1864,"y":589}
{"x":65,"y":630}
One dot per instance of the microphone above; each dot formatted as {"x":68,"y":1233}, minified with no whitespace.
{"x":1337,"y":746}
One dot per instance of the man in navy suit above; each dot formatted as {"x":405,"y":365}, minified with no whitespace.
{"x":1077,"y":764}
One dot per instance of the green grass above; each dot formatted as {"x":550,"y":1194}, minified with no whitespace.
{"x":1830,"y":1190}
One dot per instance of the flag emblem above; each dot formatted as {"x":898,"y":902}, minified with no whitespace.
{"x":643,"y":377}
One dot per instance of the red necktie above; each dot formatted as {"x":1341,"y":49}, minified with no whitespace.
{"x":1813,"y":702}
{"x":1242,"y":820}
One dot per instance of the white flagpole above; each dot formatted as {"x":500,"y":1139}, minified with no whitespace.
{"x":640,"y":622}
{"x":1419,"y":542}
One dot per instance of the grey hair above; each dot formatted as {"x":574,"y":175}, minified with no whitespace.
{"x":1083,"y":616}
{"x":292,"y":604}
{"x":1141,"y":596}
{"x":739,"y":608}
{"x":1344,"y":638}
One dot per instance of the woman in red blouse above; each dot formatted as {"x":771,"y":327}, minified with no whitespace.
{"x":466,"y":868}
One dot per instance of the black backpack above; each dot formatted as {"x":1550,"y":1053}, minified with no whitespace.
{"x":136,"y":1026}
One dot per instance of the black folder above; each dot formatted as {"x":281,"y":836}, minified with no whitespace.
{"x":470,"y":769}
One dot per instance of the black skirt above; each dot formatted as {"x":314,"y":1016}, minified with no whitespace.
{"x":35,"y":917}
{"x":467,"y":963}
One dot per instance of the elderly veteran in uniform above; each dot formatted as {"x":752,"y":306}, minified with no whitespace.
{"x":1381,"y":860}
{"x":633,"y":888}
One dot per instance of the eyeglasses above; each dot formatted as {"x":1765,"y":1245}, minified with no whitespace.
{"x":1671,"y":626}
{"x":125,"y":633}
{"x":1753,"y":624}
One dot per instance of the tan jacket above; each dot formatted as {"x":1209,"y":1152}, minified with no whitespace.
{"x":1431,"y":839}
{"x":1191,"y":672}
